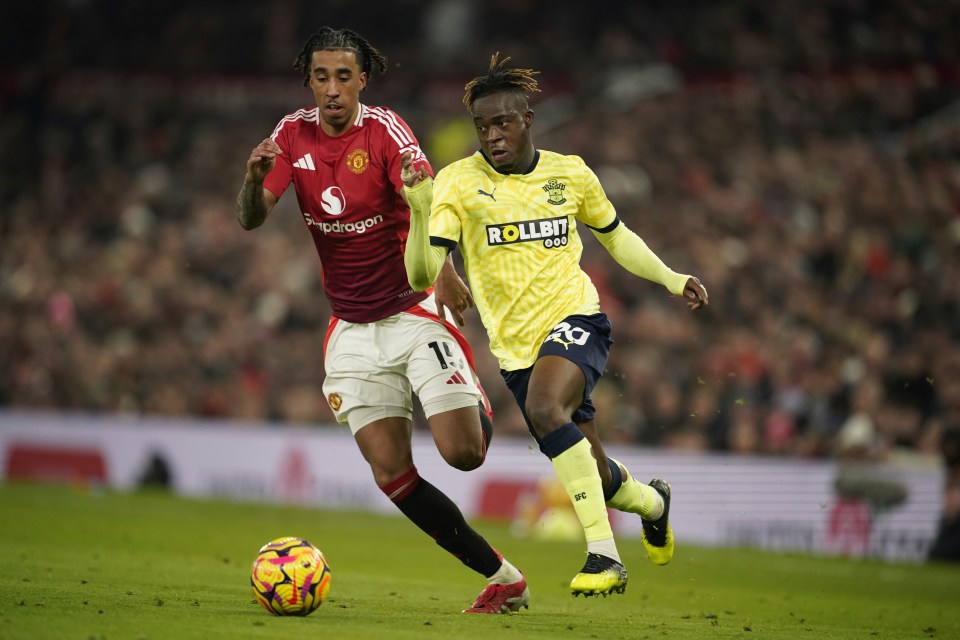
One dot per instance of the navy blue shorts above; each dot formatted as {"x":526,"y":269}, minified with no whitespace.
{"x":584,"y":341}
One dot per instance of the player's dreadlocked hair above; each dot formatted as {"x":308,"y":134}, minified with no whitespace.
{"x":328,"y":39}
{"x":500,"y":78}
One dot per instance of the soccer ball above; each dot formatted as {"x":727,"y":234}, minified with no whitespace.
{"x":290,"y":577}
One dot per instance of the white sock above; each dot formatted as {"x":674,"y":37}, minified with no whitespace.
{"x":606,"y":548}
{"x":657,"y":510}
{"x":506,"y":574}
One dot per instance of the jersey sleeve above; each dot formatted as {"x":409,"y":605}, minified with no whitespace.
{"x":281,"y":176}
{"x":596,"y":210}
{"x":446,"y":212}
{"x":400,"y":141}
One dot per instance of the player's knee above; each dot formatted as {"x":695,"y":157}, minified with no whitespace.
{"x":388,"y":472}
{"x":465,"y":456}
{"x":544,"y":415}
{"x":459,"y":432}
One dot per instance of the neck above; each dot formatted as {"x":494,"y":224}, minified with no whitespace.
{"x":524,"y":164}
{"x":336,"y":130}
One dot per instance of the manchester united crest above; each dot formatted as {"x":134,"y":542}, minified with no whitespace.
{"x":358,"y":161}
{"x":335,"y":401}
{"x":554,"y":189}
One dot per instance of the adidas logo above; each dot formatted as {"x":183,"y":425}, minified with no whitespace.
{"x":306,"y":162}
{"x":456,"y":378}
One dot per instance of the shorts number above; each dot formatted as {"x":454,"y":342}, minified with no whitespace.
{"x":444,"y":353}
{"x":566,"y":334}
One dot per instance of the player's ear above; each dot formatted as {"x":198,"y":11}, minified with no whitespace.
{"x":528,"y":117}
{"x":363,"y":80}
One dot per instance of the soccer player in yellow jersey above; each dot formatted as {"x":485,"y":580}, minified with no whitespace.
{"x":514,"y":211}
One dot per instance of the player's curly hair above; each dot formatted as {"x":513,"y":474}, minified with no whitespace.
{"x":329,"y":39}
{"x":499,"y":77}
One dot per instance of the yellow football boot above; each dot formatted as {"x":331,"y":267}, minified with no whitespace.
{"x":657,"y":534}
{"x":600,"y":576}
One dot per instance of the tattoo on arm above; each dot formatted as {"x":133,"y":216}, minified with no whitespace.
{"x":251,"y":208}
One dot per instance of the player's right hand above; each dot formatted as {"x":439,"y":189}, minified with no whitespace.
{"x":696,"y":294}
{"x":451,"y":293}
{"x":262,"y":160}
{"x":410,"y":176}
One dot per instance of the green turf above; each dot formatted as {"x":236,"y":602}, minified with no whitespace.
{"x":85,"y":565}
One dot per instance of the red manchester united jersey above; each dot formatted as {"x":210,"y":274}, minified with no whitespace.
{"x":349,"y":191}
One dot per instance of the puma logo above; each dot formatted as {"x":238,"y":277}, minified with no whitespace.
{"x":481,"y":192}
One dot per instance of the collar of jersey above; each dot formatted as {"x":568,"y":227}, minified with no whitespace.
{"x":533,"y":164}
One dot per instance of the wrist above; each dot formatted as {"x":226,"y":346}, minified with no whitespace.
{"x":420,"y":187}
{"x":676,"y":282}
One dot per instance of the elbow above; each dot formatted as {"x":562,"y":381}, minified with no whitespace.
{"x":419,"y":280}
{"x":248,"y":224}
{"x":417,"y":276}
{"x":419,"y":284}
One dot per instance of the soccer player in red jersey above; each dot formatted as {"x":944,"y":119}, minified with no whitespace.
{"x":385,"y":341}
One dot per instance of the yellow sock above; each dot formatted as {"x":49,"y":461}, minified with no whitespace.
{"x":577,"y":470}
{"x":636,"y":497}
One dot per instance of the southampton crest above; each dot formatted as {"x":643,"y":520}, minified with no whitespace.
{"x":555,"y":190}
{"x":358,"y":161}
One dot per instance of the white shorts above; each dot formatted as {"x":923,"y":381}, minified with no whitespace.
{"x":372,"y":368}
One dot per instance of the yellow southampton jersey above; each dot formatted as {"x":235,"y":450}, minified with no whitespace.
{"x":520,"y":246}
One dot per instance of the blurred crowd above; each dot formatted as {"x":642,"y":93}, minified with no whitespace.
{"x":802,"y":158}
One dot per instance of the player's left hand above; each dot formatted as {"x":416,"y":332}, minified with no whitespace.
{"x":696,"y":294}
{"x":452,"y":293}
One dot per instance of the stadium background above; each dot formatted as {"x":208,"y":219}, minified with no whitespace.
{"x":802,"y":157}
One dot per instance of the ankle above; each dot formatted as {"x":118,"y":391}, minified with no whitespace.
{"x":506,"y":574}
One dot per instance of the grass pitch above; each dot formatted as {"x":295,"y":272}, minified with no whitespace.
{"x":82,"y":565}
